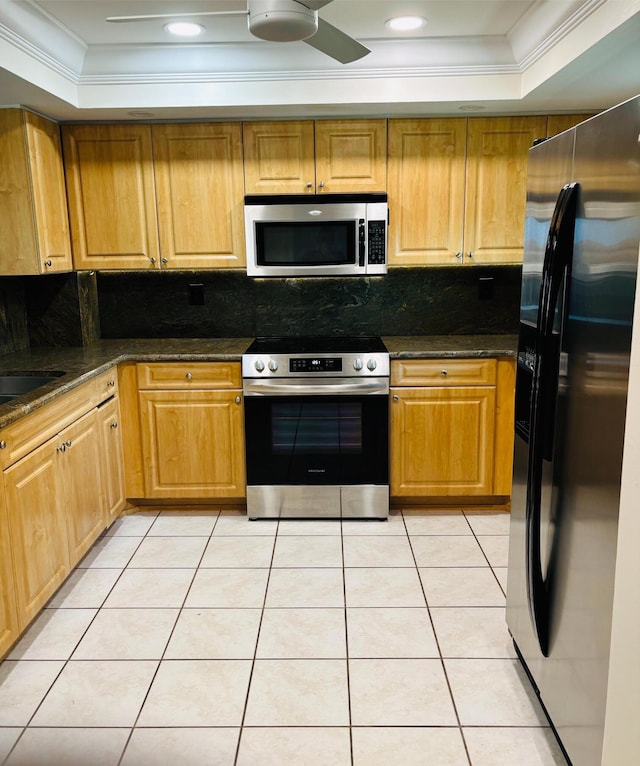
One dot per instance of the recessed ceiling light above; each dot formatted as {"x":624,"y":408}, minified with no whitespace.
{"x":406,"y":23}
{"x":184,"y":28}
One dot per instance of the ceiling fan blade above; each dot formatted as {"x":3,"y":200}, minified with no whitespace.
{"x":315,"y":5}
{"x":330,"y":40}
{"x":152,"y":16}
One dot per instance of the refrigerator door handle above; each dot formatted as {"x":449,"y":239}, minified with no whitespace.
{"x":557,"y":265}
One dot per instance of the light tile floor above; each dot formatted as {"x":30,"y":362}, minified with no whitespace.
{"x":204,"y":639}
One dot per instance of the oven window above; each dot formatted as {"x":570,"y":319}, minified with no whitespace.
{"x":316,"y":429}
{"x":310,"y":244}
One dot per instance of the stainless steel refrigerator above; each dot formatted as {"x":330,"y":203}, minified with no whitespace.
{"x":582,"y":241}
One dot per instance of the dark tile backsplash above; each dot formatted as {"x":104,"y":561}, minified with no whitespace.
{"x":406,"y":301}
{"x":14,"y":331}
{"x":76,"y":309}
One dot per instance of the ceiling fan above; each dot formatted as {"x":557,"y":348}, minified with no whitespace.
{"x":282,"y":21}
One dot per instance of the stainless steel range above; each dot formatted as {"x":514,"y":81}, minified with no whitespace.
{"x":317,"y":427}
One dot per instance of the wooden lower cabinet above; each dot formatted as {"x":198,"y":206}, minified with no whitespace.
{"x":38,"y":528}
{"x":451,"y":428}
{"x":8,"y":614}
{"x":442,"y":441}
{"x":80,"y":487}
{"x":192,"y":444}
{"x":112,"y":459}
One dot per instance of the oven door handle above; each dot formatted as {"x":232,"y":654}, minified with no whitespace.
{"x":333,"y":388}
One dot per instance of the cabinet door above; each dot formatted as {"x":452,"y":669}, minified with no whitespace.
{"x":112,"y":459}
{"x":279,"y":157}
{"x":8,"y":614}
{"x":426,"y":191}
{"x":497,"y":154}
{"x":112,"y":203}
{"x":351,"y":155}
{"x":200,"y":195}
{"x":442,"y":441}
{"x":49,"y":194}
{"x":192,"y":444}
{"x":33,"y":204}
{"x":37,"y":526}
{"x":556,"y":123}
{"x":82,"y":495}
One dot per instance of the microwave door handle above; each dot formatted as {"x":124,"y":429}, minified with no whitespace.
{"x":361,"y":242}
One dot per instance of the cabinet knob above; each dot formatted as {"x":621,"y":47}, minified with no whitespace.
{"x":152,"y":259}
{"x":321,"y":185}
{"x":459,"y":256}
{"x":444,"y":373}
{"x":61,"y":448}
{"x":469,"y":255}
{"x":395,"y":397}
{"x":309,"y":185}
{"x":164,"y":260}
{"x":238,"y":400}
{"x":68,"y":443}
{"x":3,"y":444}
{"x":48,"y":262}
{"x":189,"y":376}
{"x":113,"y":425}
{"x":111,"y":383}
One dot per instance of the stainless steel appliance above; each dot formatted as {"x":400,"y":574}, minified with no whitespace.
{"x":578,"y":289}
{"x":316,"y":427}
{"x":316,"y":235}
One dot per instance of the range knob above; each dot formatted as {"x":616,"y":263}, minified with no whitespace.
{"x":357,"y":364}
{"x":372,"y":364}
{"x":273,"y":365}
{"x":259,"y":365}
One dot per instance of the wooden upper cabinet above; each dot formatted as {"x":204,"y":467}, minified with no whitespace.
{"x":33,"y":202}
{"x":351,"y":156}
{"x":300,"y":156}
{"x":556,"y":123}
{"x":426,"y":168}
{"x":200,"y":192}
{"x":112,"y":202}
{"x":497,"y":155}
{"x":279,"y":157}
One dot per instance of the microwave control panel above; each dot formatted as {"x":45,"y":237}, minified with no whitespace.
{"x":376,"y":241}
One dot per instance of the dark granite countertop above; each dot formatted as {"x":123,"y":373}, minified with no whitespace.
{"x":79,"y":364}
{"x":450,"y":346}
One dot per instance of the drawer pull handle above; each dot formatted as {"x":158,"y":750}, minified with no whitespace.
{"x":189,"y":376}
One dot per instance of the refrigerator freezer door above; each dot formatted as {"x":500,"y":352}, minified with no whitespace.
{"x":572,"y":681}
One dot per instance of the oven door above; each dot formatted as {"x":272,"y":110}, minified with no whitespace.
{"x":296,"y":435}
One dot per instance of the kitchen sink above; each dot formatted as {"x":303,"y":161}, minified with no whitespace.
{"x":13,"y":385}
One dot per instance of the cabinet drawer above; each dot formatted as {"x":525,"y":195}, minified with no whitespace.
{"x":107,"y":384}
{"x":34,"y":429}
{"x":181,"y":375}
{"x":443,"y":372}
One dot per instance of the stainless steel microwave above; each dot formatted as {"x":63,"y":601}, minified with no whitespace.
{"x":316,"y":235}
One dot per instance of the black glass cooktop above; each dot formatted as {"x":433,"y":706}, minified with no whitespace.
{"x":316,"y":345}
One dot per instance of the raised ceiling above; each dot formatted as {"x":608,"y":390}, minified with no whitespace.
{"x":62,"y":58}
